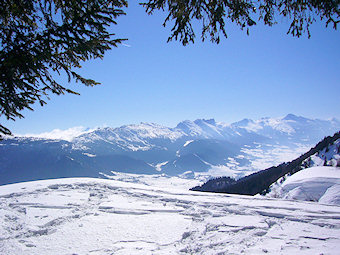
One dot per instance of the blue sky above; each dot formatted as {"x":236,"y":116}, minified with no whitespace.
{"x":267,"y":73}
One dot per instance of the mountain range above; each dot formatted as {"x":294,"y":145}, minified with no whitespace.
{"x":192,"y":148}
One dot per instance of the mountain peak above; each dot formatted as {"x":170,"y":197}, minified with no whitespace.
{"x":291,"y":116}
{"x":243,"y":123}
{"x":205,"y":121}
{"x":211,"y":121}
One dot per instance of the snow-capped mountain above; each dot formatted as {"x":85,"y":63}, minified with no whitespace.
{"x":291,"y":128}
{"x":200,"y":147}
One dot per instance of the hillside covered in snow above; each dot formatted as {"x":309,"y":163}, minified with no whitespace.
{"x":318,"y":181}
{"x":320,"y":184}
{"x":192,"y":148}
{"x":96,"y":216}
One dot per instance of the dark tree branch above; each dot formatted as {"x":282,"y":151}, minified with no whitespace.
{"x":40,"y":36}
{"x":214,"y":15}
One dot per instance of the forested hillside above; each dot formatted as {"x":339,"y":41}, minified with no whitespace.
{"x":260,"y":182}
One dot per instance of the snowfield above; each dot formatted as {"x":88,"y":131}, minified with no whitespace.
{"x":96,"y":216}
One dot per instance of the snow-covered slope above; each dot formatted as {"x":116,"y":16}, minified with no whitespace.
{"x":329,"y":156}
{"x":95,"y":216}
{"x":319,"y":181}
{"x":320,"y":184}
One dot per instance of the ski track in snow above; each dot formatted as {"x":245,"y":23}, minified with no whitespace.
{"x":94,"y":216}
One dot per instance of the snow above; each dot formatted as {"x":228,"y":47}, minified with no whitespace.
{"x":152,"y":130}
{"x":89,"y":155}
{"x":222,"y":170}
{"x":314,"y":172}
{"x":159,"y":165}
{"x":316,"y":182}
{"x":157,"y":180}
{"x":278,"y":124}
{"x":331,"y":196}
{"x":265,"y":155}
{"x":191,"y":128}
{"x":96,"y":216}
{"x":320,"y":184}
{"x":187,"y":143}
{"x":67,"y":135}
{"x":330,"y":154}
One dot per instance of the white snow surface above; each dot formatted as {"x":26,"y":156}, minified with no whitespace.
{"x":278,"y":124}
{"x":187,"y":143}
{"x":159,"y":165}
{"x":157,"y":180}
{"x":153,"y":130}
{"x":320,"y":184}
{"x":89,"y":155}
{"x":96,"y":216}
{"x":67,"y":134}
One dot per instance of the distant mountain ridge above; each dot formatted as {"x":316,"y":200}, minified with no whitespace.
{"x":190,"y":147}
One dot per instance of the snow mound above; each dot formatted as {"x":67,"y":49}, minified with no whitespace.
{"x":331,"y":196}
{"x":320,"y":184}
